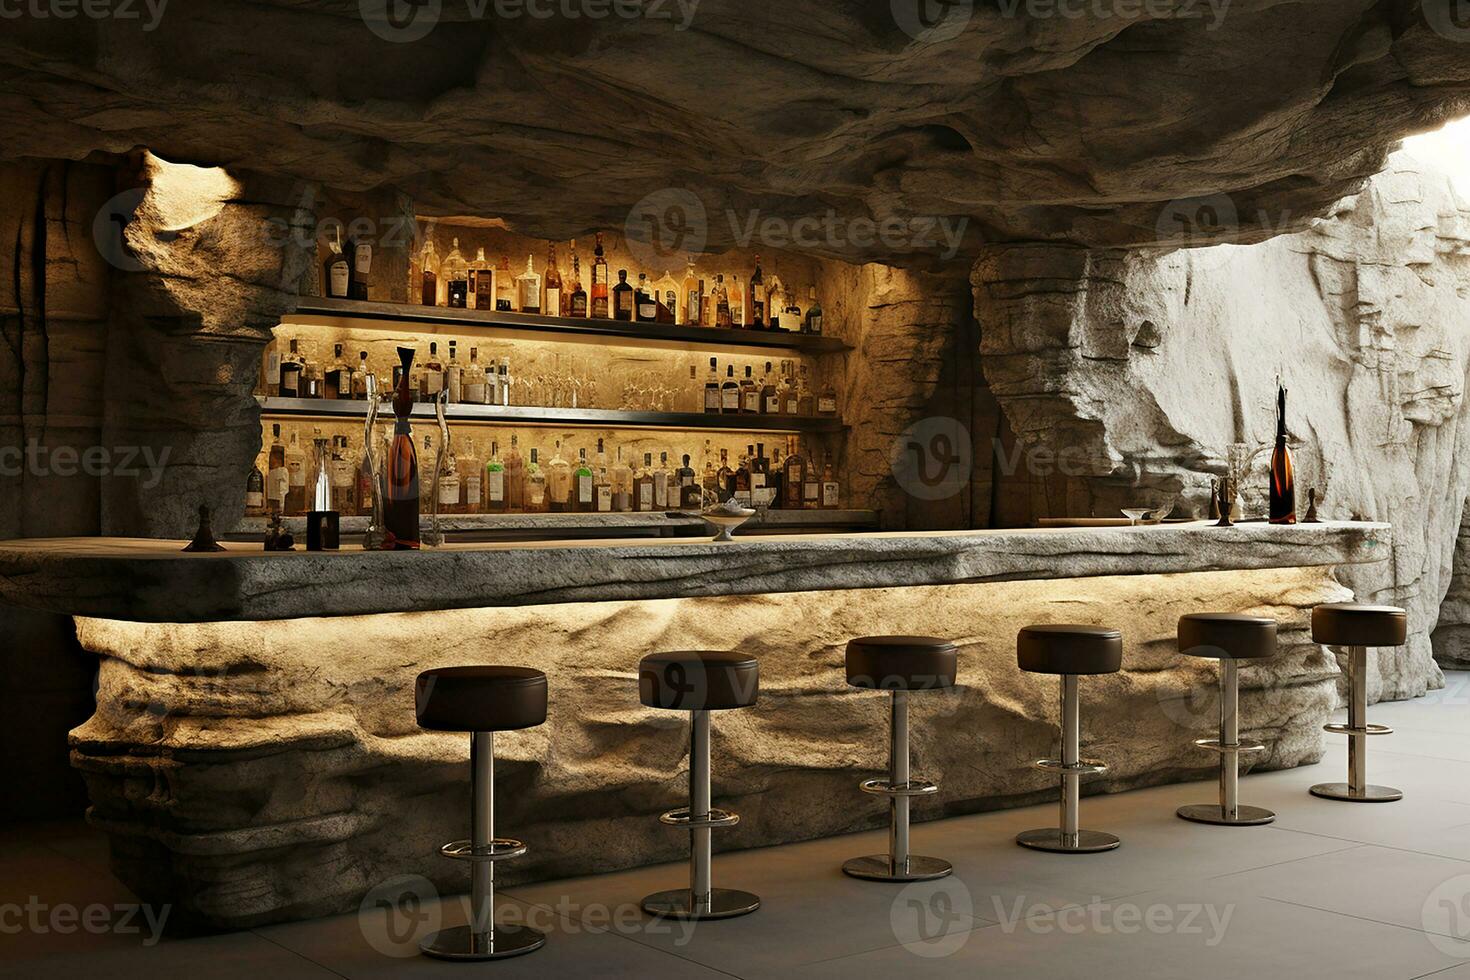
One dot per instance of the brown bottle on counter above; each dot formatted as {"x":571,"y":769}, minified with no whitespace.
{"x":401,"y":509}
{"x":1283,"y":480}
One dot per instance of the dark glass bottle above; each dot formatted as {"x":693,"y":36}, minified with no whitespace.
{"x":1283,"y":479}
{"x":622,"y":295}
{"x":401,"y":509}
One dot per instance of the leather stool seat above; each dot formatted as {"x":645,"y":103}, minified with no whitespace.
{"x":901,"y":663}
{"x":1227,"y":636}
{"x":1349,"y":624}
{"x":1069,"y":649}
{"x":480,"y":699}
{"x":698,"y":680}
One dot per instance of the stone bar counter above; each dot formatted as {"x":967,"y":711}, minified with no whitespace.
{"x":254,"y":755}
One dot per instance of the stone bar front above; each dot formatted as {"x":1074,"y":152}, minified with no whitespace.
{"x":254,"y":755}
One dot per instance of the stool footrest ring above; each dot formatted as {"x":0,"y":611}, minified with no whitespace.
{"x":715,"y":818}
{"x":1243,"y":745}
{"x":1365,"y":730}
{"x":500,"y":849}
{"x":1082,"y":767}
{"x":882,"y":787}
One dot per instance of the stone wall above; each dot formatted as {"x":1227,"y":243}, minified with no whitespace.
{"x":1139,"y":369}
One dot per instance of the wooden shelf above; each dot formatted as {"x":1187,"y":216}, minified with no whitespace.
{"x":470,"y":320}
{"x":602,"y":418}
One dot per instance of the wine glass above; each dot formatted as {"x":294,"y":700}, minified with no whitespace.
{"x":1135,"y":514}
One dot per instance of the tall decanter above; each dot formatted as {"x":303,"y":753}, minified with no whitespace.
{"x":401,"y":510}
{"x":1283,"y":479}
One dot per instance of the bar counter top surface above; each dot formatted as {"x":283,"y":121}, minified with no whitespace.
{"x":152,"y":580}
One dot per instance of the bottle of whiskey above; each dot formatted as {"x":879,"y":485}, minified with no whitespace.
{"x":360,"y":376}
{"x":1282,"y":493}
{"x":643,"y":485}
{"x":360,"y":251}
{"x":742,"y":479}
{"x":721,"y":300}
{"x":344,"y":478}
{"x":497,"y":500}
{"x":502,"y":383}
{"x":426,"y":485}
{"x":515,"y":477}
{"x":791,"y":316}
{"x":750,"y":394}
{"x":255,"y":491}
{"x":364,"y":491}
{"x":775,"y":302}
{"x":482,"y":282}
{"x":296,"y":467}
{"x":454,"y":376}
{"x":831,"y":489}
{"x":689,"y":487}
{"x":291,"y":367}
{"x":804,"y":400}
{"x":622,"y":297}
{"x":599,"y":295}
{"x":456,"y":274}
{"x":827,"y":399}
{"x":558,"y":482}
{"x":644,"y":308}
{"x":602,"y":482}
{"x":278,"y":477}
{"x":505,"y":287}
{"x":735,"y":299}
{"x":449,"y":483}
{"x":793,"y":476}
{"x":535,"y":486}
{"x":712,"y":390}
{"x":666,"y":298}
{"x":528,"y":287}
{"x":621,"y":478}
{"x":552,"y":295}
{"x":472,"y":478}
{"x":577,"y":298}
{"x":755,"y":300}
{"x":813,"y":322}
{"x":429,"y":275}
{"x":759,"y":476}
{"x":401,"y":506}
{"x":788,"y":389}
{"x":338,"y":271}
{"x":775,"y":477}
{"x":472,"y":384}
{"x":665,"y":483}
{"x":431,"y":378}
{"x":338,"y":376}
{"x":312,"y":382}
{"x":730,"y":392}
{"x":693,"y":297}
{"x":725,"y":477}
{"x":770,"y":394}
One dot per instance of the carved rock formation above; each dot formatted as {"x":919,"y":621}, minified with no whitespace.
{"x":1363,"y":318}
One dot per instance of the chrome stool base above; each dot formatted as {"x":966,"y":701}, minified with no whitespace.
{"x":678,"y":903}
{"x":1083,"y":842}
{"x":880,"y":867}
{"x":1368,"y":794}
{"x":463,"y":943}
{"x":1245,"y":816}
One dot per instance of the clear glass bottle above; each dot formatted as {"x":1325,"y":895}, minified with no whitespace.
{"x":296,"y":469}
{"x":666,"y":298}
{"x":277,"y":475}
{"x":431,"y":376}
{"x":360,"y":376}
{"x":337,"y":276}
{"x":454,"y":376}
{"x":472,"y":478}
{"x":735,"y":299}
{"x":344,"y":478}
{"x":805,"y":403}
{"x":602,"y":482}
{"x":482,"y":282}
{"x":665,"y":484}
{"x":515,"y":477}
{"x":450,"y":501}
{"x":426,"y":483}
{"x":528,"y":287}
{"x":811,"y":484}
{"x":472,"y":384}
{"x":770,"y":393}
{"x":456,"y":275}
{"x":502,"y":383}
{"x":692,"y":298}
{"x":558,"y":482}
{"x":505,"y":287}
{"x":720,"y":299}
{"x":551,"y":297}
{"x":621,"y":478}
{"x":643,"y":489}
{"x":645,"y":300}
{"x":788,"y":389}
{"x":750,"y":394}
{"x":497,"y":500}
{"x":535,"y":485}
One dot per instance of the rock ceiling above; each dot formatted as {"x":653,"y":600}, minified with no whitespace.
{"x":851,"y":128}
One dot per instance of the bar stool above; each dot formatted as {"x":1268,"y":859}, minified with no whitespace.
{"x":1069,"y":651}
{"x":699,"y":681}
{"x":1228,"y":638}
{"x":481,"y":701}
{"x":899,"y":664}
{"x":1357,"y":627}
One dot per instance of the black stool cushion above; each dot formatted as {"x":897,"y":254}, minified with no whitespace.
{"x":1069,"y":649}
{"x":480,"y":699}
{"x":1348,"y":624}
{"x":900,"y":663}
{"x":1227,"y":636}
{"x":698,"y":680}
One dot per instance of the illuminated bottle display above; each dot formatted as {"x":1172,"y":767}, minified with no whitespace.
{"x":1283,"y":480}
{"x":401,"y":512}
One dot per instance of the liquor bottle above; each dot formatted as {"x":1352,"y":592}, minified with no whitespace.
{"x":528,"y":287}
{"x":788,"y":389}
{"x":775,"y":477}
{"x":755,"y":301}
{"x":692,"y":401}
{"x":296,"y":468}
{"x":472,"y":384}
{"x":431,"y":378}
{"x":502,"y":383}
{"x":473,"y":477}
{"x":735,"y":299}
{"x":582,"y":478}
{"x":742,"y":479}
{"x":426,"y":484}
{"x":497,"y":501}
{"x":319,"y":481}
{"x":599,"y":295}
{"x":721,"y":301}
{"x":804,"y":400}
{"x":643,"y":485}
{"x":360,"y":252}
{"x":255,"y":491}
{"x":643,"y":305}
{"x":515,"y":477}
{"x":770,"y":394}
{"x":602,"y":482}
{"x":311,"y":382}
{"x":709,"y":477}
{"x":270,"y":368}
{"x":758,"y":470}
{"x":811,"y":485}
{"x":454,"y":376}
{"x":665,"y":484}
{"x":338,"y":376}
{"x":689,"y":488}
{"x":456,"y":276}
{"x":483,"y":276}
{"x":792,"y":477}
{"x":712,"y":390}
{"x":558,"y":482}
{"x":730,"y":392}
{"x":666,"y":298}
{"x":724,"y":476}
{"x":1283,"y":477}
{"x":750,"y":394}
{"x":450,"y":501}
{"x":551,"y":279}
{"x":621,"y":478}
{"x":505,"y":287}
{"x":831,"y":489}
{"x":535,"y":486}
{"x":360,"y":376}
{"x":827,"y":399}
{"x":622,"y":297}
{"x":344,"y":483}
{"x":289,"y":385}
{"x":813,"y":322}
{"x":401,"y":507}
{"x":775,"y":302}
{"x":693,"y":297}
{"x":577,"y":298}
{"x":791,"y":316}
{"x":337,"y":279}
{"x":364,"y":484}
{"x":429,"y":275}
{"x":278,"y":477}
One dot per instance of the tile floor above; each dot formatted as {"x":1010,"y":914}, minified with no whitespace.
{"x":1329,"y":890}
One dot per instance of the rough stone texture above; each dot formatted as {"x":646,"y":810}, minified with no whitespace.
{"x":1103,"y":128}
{"x":1138,"y":370}
{"x":1451,"y":636}
{"x":247,"y":777}
{"x":154,"y":581}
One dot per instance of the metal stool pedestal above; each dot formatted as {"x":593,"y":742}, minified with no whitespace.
{"x":1357,"y":789}
{"x":1229,"y":811}
{"x":1067,"y":838}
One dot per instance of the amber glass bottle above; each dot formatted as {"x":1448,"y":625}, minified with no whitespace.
{"x":1283,"y":480}
{"x":401,"y":510}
